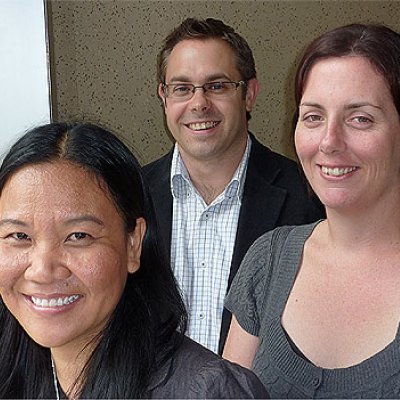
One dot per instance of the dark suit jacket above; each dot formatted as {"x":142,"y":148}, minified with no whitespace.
{"x":274,"y":194}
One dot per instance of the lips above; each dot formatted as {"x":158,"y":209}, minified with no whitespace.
{"x":201,"y":126}
{"x":54,"y":302}
{"x":337,"y":171}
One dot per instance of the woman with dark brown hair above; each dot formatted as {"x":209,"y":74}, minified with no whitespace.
{"x":316,"y":307}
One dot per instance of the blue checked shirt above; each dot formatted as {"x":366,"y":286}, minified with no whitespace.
{"x":202,"y":241}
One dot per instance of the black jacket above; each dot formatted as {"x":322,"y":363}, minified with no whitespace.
{"x":197,"y":373}
{"x":194,"y":372}
{"x":274,"y":194}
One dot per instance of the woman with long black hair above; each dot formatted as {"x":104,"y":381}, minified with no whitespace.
{"x":89,"y":306}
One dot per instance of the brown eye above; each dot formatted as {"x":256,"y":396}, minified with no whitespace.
{"x":313,"y":118}
{"x":19,"y":236}
{"x":78,"y":236}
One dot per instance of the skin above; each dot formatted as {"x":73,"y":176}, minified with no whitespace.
{"x":60,"y":236}
{"x":348,"y":120}
{"x":346,"y":289}
{"x":240,"y":346}
{"x":210,"y":155}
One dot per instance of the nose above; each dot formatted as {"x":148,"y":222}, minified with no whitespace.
{"x":332,"y":140}
{"x":199,"y":102}
{"x":46,"y":266}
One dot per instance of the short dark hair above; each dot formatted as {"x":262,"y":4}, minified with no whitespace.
{"x":378,"y":44}
{"x":140,"y":335}
{"x":203,"y":29}
{"x":210,"y":28}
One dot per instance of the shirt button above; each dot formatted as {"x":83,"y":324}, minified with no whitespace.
{"x":316,"y":382}
{"x":202,"y":315}
{"x":206,"y":216}
{"x":203,"y":265}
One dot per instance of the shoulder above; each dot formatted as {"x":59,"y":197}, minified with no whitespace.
{"x":196,"y":372}
{"x":269,"y":170}
{"x":264,"y":156}
{"x":257,"y":268}
{"x":279,"y":237}
{"x":264,"y":256}
{"x":277,"y":170}
{"x":269,"y":263}
{"x":159,"y":166}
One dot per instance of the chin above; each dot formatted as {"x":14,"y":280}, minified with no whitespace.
{"x":338,"y":204}
{"x":47,"y":337}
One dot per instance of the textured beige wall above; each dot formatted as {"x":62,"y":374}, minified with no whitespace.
{"x":103,"y":58}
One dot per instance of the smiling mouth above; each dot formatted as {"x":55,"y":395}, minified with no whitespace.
{"x":55,"y":301}
{"x":337,"y":171}
{"x":201,"y":126}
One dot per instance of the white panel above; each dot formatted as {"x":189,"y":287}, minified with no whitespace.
{"x":24,"y":83}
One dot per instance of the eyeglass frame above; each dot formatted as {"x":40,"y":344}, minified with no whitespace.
{"x":194,"y":87}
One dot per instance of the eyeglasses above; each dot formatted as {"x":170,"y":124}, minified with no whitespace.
{"x":213,"y":90}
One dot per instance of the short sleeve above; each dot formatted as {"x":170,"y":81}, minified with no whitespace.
{"x":247,"y":293}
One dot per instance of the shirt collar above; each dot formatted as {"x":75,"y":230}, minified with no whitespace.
{"x":181,"y":183}
{"x":180,"y":179}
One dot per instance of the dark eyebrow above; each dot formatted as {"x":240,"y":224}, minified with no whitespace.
{"x":351,"y":106}
{"x":71,"y":221}
{"x":12,"y":221}
{"x":209,"y":78}
{"x":84,"y":218}
{"x":305,"y":104}
{"x":362,"y":104}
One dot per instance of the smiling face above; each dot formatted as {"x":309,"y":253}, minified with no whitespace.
{"x":348,"y":134}
{"x":64,"y":253}
{"x":207,"y":130}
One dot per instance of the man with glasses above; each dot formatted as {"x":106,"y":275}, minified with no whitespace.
{"x":219,"y":188}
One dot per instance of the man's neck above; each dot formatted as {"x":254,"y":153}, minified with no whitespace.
{"x":210,"y":177}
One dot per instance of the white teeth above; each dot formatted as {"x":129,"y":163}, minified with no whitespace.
{"x":199,"y":126}
{"x":337,"y":171}
{"x":55,"y":302}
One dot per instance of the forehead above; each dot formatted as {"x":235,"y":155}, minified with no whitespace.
{"x":354,"y":73}
{"x":193,"y":57}
{"x":54,"y":188}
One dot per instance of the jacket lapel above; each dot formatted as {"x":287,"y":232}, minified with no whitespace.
{"x":162,"y":198}
{"x":261,"y":207}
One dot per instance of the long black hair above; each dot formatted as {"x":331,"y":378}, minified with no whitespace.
{"x":150,"y":318}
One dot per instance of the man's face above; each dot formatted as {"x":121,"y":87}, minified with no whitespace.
{"x":207,"y":129}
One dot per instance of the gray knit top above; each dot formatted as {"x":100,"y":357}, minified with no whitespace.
{"x":257,"y":298}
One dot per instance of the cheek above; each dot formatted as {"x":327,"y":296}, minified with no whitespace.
{"x":102,"y":270}
{"x":306,"y":145}
{"x":12,"y":267}
{"x":173,"y":111}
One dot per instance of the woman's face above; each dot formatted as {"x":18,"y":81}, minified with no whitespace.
{"x":348,"y":134}
{"x":64,"y":253}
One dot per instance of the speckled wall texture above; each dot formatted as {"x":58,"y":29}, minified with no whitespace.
{"x":103,"y":58}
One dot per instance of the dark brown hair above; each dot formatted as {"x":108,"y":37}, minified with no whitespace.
{"x":210,"y":28}
{"x":203,"y":29}
{"x":376,"y":43}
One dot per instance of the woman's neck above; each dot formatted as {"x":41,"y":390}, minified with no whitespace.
{"x":358,"y":230}
{"x":68,"y":367}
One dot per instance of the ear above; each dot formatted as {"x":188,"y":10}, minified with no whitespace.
{"x":135,"y":240}
{"x":161,"y":94}
{"x":253,"y":88}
